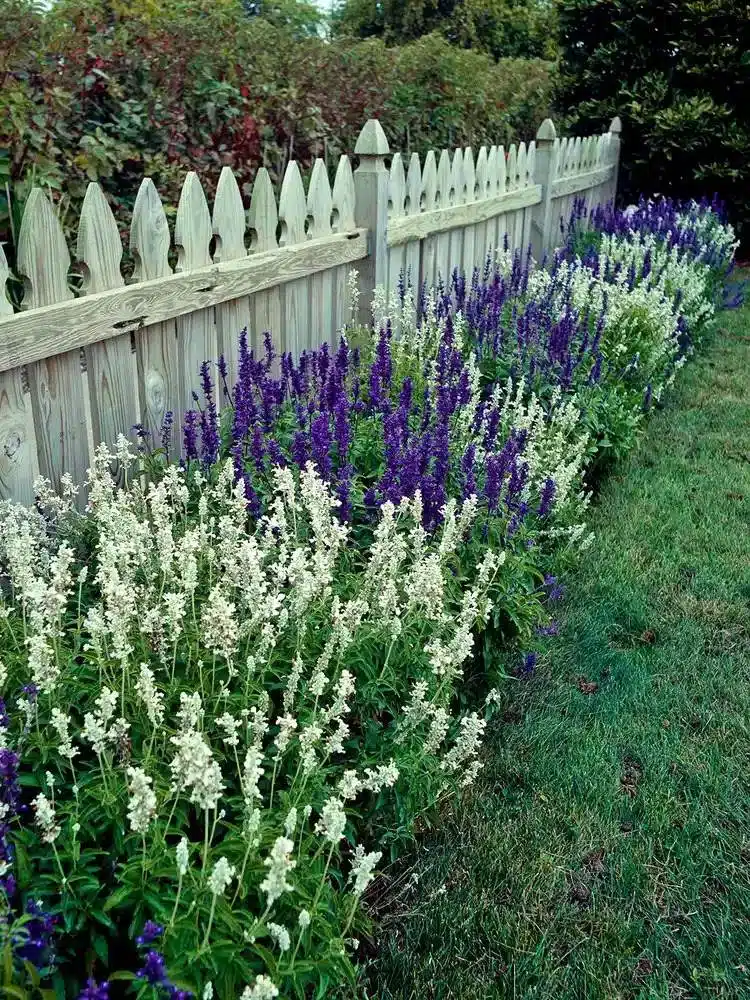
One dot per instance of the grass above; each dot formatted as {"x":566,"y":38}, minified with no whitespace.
{"x":606,"y":852}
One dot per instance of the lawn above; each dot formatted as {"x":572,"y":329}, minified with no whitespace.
{"x":605,"y":854}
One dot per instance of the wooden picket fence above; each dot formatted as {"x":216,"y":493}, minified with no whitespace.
{"x":80,"y":368}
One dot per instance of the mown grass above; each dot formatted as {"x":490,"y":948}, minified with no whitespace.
{"x":606,"y":851}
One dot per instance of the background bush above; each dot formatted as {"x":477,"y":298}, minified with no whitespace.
{"x":107,"y":91}
{"x":678,"y":74}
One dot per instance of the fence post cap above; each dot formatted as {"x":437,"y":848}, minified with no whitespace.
{"x":372,"y":140}
{"x":547,"y":131}
{"x":616,"y":125}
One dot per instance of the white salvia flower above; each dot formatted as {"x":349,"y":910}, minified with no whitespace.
{"x":44,"y":816}
{"x":290,"y":823}
{"x":384,"y":776}
{"x":61,"y":723}
{"x":363,"y":868}
{"x":252,"y":772}
{"x":280,"y":935}
{"x":142,"y":804}
{"x":151,"y":697}
{"x":308,"y":739}
{"x":230,"y":725}
{"x":183,"y":857}
{"x":332,"y":820}
{"x":95,"y":723}
{"x":287,"y":724}
{"x":221,"y":877}
{"x":304,"y":919}
{"x":3,"y":675}
{"x":293,"y":683}
{"x":208,"y":991}
{"x":279,"y":865}
{"x":438,"y":730}
{"x":349,"y":786}
{"x":219,"y":624}
{"x":194,"y":767}
{"x":467,"y":742}
{"x":262,"y":990}
{"x":335,"y":742}
{"x":190,"y":711}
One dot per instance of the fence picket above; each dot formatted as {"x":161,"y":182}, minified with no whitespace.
{"x":396,"y":210}
{"x":196,"y":332}
{"x":228,"y":225}
{"x":319,"y":211}
{"x":296,"y":297}
{"x":264,"y":221}
{"x":156,"y":345}
{"x":342,"y":222}
{"x":482,"y":192}
{"x":60,"y":404}
{"x":18,"y":462}
{"x":445,"y":200}
{"x":427,"y":204}
{"x":111,"y":364}
{"x":413,"y":207}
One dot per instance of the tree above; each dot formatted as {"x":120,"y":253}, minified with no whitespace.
{"x":678,"y":74}
{"x":518,"y":28}
{"x":300,"y":17}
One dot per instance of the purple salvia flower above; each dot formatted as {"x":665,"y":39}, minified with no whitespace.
{"x":547,"y":498}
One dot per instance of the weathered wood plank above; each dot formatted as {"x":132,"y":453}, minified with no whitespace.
{"x":111,"y":365}
{"x":342,"y":222}
{"x":295,"y":294}
{"x":264,"y":221}
{"x":413,"y":211}
{"x":26,"y":338}
{"x":59,"y":400}
{"x":156,"y":342}
{"x":581,"y":182}
{"x":196,"y":331}
{"x":445,"y":199}
{"x":470,"y":197}
{"x":319,"y":212}
{"x":18,"y":461}
{"x":228,"y":224}
{"x":396,"y":210}
{"x":427,"y":204}
{"x":440,"y":220}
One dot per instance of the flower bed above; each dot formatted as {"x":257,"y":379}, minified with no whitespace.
{"x":233,"y":685}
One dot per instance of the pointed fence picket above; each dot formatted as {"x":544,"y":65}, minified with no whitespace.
{"x":90,"y":354}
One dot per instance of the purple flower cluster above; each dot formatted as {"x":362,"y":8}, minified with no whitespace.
{"x":154,"y":967}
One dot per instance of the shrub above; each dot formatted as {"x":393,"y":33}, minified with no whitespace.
{"x":232,"y":686}
{"x":98,"y":91}
{"x":677,"y":74}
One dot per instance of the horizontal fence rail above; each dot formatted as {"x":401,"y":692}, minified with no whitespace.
{"x":81,"y":365}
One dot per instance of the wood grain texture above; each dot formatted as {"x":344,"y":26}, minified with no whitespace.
{"x":18,"y":456}
{"x":319,"y":212}
{"x":396,"y":210}
{"x":295,"y":297}
{"x":440,"y":220}
{"x":576,"y":183}
{"x":111,"y":365}
{"x":413,"y":210}
{"x":156,"y":342}
{"x":197,"y":339}
{"x":59,"y":400}
{"x":25,"y":338}
{"x":264,"y":221}
{"x":445,"y":199}
{"x":228,"y":225}
{"x":342,"y":221}
{"x":468,"y":261}
{"x":427,"y":204}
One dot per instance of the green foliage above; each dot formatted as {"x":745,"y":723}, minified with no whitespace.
{"x":112,"y":91}
{"x":502,"y":28}
{"x":598,"y":857}
{"x":678,"y":74}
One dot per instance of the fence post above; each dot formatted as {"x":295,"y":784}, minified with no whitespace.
{"x":615,"y":130}
{"x":371,"y":211}
{"x":544,"y":174}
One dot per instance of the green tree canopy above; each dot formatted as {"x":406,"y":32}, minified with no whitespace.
{"x":516,"y":28}
{"x":678,"y":74}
